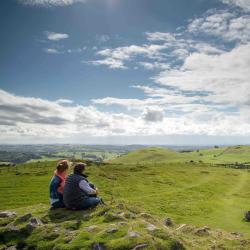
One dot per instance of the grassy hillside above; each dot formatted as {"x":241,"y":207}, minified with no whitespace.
{"x":223,"y":155}
{"x":188,"y":193}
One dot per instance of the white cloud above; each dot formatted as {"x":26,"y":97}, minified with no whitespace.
{"x":244,"y":4}
{"x":110,"y":62}
{"x":50,"y":3}
{"x":223,"y":24}
{"x":52,"y":51}
{"x":56,"y":36}
{"x":153,"y":115}
{"x":160,"y":36}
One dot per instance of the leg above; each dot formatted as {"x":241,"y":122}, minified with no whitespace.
{"x":58,"y":204}
{"x":90,"y":202}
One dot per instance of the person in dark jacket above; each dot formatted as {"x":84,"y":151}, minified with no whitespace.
{"x":78,"y":192}
{"x":57,"y":185}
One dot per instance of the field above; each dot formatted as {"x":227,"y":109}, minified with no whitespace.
{"x":193,"y":193}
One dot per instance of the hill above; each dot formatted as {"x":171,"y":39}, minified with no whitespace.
{"x":220,"y":155}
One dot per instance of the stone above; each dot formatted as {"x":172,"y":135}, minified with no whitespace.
{"x":98,"y":246}
{"x":11,"y":248}
{"x":36,"y":221}
{"x":112,"y":230}
{"x":140,"y":246}
{"x":91,"y":228}
{"x":151,"y":227}
{"x":122,"y":223}
{"x":13,"y":229}
{"x":7,"y":214}
{"x":202,"y":231}
{"x":25,"y":217}
{"x":168,"y":222}
{"x":145,"y":216}
{"x":133,"y":234}
{"x":237,"y":234}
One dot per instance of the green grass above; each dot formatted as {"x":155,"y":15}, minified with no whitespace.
{"x":189,"y":193}
{"x":223,"y":155}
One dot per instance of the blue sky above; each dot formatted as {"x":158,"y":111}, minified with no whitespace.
{"x":125,"y":71}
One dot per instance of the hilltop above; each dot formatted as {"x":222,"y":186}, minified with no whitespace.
{"x":114,"y":227}
{"x":216,"y":155}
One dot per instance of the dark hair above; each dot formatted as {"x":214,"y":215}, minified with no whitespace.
{"x":62,"y":166}
{"x":79,"y":167}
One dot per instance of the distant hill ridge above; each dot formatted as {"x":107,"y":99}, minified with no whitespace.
{"x":216,"y":155}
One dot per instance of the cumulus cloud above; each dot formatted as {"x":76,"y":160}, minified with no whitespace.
{"x":50,"y":3}
{"x":244,"y":4}
{"x":153,"y":115}
{"x":53,"y":36}
{"x":52,"y":51}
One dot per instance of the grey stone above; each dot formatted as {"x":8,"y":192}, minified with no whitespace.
{"x":168,"y":222}
{"x":98,"y":246}
{"x":6,"y":214}
{"x":25,"y":217}
{"x":151,"y":227}
{"x":13,"y":229}
{"x":202,"y":231}
{"x":112,"y":230}
{"x":133,"y":234}
{"x":36,"y":221}
{"x":91,"y":228}
{"x":11,"y":248}
{"x":140,"y":246}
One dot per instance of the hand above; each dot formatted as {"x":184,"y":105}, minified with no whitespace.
{"x":96,"y":190}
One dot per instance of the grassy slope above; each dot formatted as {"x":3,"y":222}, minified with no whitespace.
{"x":232,"y":154}
{"x":194,"y":194}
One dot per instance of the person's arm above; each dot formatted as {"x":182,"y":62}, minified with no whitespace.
{"x":84,"y":185}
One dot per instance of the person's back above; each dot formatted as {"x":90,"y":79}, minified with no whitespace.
{"x":57,"y":185}
{"x":78,"y":192}
{"x":73,"y":194}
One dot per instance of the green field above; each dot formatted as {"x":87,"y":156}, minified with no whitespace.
{"x":192,"y":193}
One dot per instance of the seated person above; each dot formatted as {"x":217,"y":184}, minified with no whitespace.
{"x":57,"y":184}
{"x":78,"y":192}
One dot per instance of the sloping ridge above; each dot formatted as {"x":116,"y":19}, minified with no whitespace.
{"x":149,"y":155}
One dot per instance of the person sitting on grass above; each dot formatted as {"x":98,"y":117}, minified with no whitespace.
{"x":57,"y":184}
{"x":78,"y":192}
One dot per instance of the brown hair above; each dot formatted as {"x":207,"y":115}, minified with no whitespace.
{"x":79,"y":167}
{"x":62,"y":166}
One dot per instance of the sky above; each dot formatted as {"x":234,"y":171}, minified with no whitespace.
{"x":125,"y":71}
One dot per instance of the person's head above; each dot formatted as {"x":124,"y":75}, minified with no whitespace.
{"x":62,"y":166}
{"x":79,"y":168}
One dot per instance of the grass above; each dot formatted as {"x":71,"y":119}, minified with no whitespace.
{"x":144,"y":181}
{"x":223,"y":155}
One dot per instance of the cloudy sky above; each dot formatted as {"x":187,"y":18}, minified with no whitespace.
{"x":125,"y":71}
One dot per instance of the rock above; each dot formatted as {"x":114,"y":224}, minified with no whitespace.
{"x":202,"y":231}
{"x":145,"y":216}
{"x":112,"y":230}
{"x":7,"y":214}
{"x":168,"y":222}
{"x":177,"y":245}
{"x":11,"y":248}
{"x":13,"y":229}
{"x":122,"y":223}
{"x":36,"y":221}
{"x":237,"y":234}
{"x":151,"y":227}
{"x":91,"y":228}
{"x":25,"y":217}
{"x":140,"y":246}
{"x":247,"y":216}
{"x":98,"y":246}
{"x":133,"y":234}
